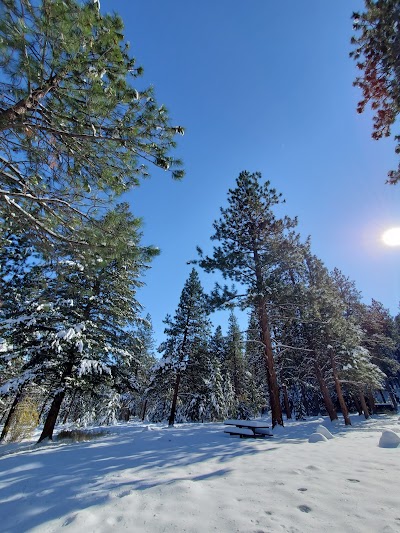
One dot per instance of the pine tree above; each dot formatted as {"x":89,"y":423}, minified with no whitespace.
{"x":97,"y":339}
{"x":254,"y":355}
{"x":362,"y":376}
{"x":380,"y":340}
{"x":234,"y":361}
{"x":74,"y":327}
{"x":223,"y":399}
{"x":21,"y":284}
{"x":377,"y":46}
{"x":75,"y":130}
{"x":255,"y":249}
{"x":186,"y":346}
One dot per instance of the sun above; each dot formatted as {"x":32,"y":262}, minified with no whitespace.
{"x":391,"y":237}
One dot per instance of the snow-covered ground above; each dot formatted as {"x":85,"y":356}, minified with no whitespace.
{"x":195,"y":478}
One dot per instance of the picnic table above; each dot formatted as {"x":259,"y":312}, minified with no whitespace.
{"x":248,"y":428}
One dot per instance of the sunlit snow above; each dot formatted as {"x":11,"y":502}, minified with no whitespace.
{"x":195,"y":478}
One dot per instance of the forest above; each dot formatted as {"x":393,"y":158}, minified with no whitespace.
{"x":78,"y":130}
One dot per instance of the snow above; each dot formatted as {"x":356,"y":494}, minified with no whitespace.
{"x":389,"y":439}
{"x":317,"y":437}
{"x":195,"y":478}
{"x":323,"y":430}
{"x":92,"y":366}
{"x":66,"y":334}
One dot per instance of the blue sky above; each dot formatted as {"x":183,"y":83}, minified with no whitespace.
{"x":262,"y":86}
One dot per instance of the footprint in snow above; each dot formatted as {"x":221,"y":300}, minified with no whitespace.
{"x":69,"y":520}
{"x":305,"y":508}
{"x":124,"y":493}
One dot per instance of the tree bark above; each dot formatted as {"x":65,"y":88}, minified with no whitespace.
{"x":144,"y":410}
{"x":364,"y":404}
{"x":325,"y":392}
{"x":68,"y":411}
{"x":304,"y":400}
{"x":55,"y":407}
{"x":286,"y":402}
{"x":52,"y":415}
{"x":272,"y":381}
{"x":357,"y":403}
{"x":276,"y":411}
{"x":371,"y":401}
{"x":174,"y":399}
{"x":339,"y":392}
{"x":393,"y":398}
{"x":7,"y":424}
{"x":9,"y":117}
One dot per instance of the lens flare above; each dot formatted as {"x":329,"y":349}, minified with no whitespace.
{"x":391,"y":237}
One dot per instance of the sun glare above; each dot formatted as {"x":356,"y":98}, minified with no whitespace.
{"x":391,"y":237}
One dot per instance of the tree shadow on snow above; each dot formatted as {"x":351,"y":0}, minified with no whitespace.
{"x":53,"y":481}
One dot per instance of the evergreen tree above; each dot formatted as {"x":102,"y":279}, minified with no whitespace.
{"x":217,"y":404}
{"x":234,"y":361}
{"x":132,"y":376}
{"x":255,"y":250}
{"x":75,"y":130}
{"x":377,"y":46}
{"x":362,"y":377}
{"x":380,"y":340}
{"x":185,"y":351}
{"x":22,"y":281}
{"x":328,"y":332}
{"x":75,"y":329}
{"x":254,"y":355}
{"x":223,"y":399}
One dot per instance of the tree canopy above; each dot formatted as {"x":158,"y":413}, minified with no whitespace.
{"x":76,"y":126}
{"x":377,"y":52}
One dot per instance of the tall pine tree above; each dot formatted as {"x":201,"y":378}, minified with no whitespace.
{"x":185,"y":350}
{"x":255,"y":249}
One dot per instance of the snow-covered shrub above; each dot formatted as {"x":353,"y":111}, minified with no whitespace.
{"x":79,"y":435}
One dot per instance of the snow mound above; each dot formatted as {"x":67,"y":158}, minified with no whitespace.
{"x":322,"y":430}
{"x":317,"y":437}
{"x":389,"y":439}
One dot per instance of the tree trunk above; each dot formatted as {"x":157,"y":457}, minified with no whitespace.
{"x":382,"y":395}
{"x":55,"y":407}
{"x":371,"y":401}
{"x":325,"y":392}
{"x":68,"y":411}
{"x":393,"y":398}
{"x":174,"y":399}
{"x":343,"y":406}
{"x":7,"y":424}
{"x":364,"y":404}
{"x":357,"y":403}
{"x":286,"y":402}
{"x":304,"y":400}
{"x":52,"y":415}
{"x":144,"y":410}
{"x":43,"y":406}
{"x":276,"y":411}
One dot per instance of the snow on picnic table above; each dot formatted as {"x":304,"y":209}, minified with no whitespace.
{"x":195,"y":478}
